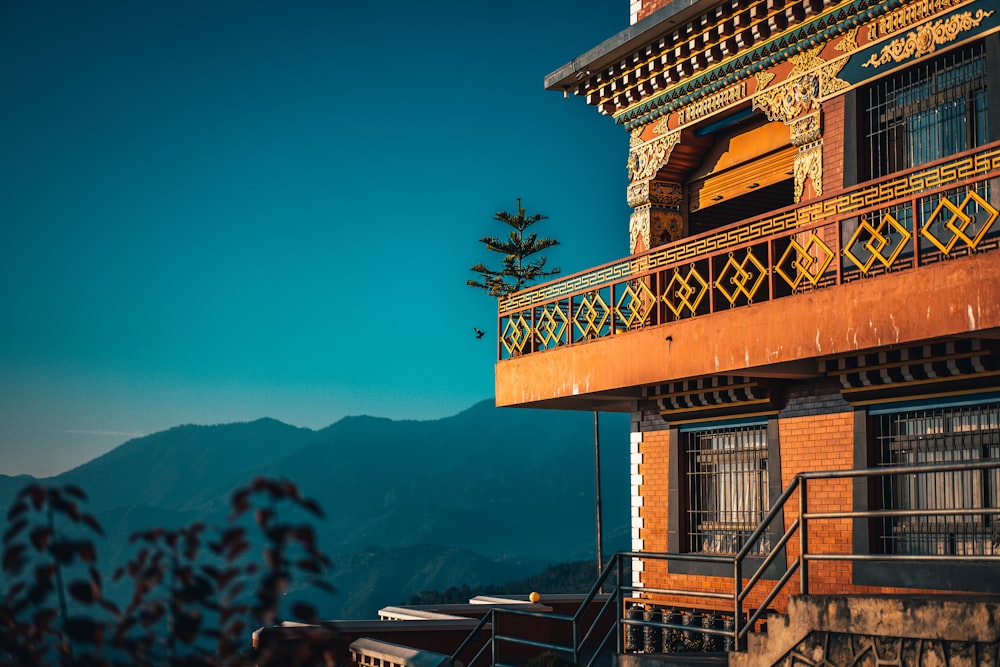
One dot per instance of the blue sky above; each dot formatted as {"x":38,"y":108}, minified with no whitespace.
{"x":219,"y":210}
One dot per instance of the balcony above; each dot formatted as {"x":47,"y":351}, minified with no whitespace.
{"x":893,"y":261}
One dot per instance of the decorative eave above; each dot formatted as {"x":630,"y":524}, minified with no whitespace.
{"x":940,"y":367}
{"x":713,"y":397}
{"x":633,"y":39}
{"x":680,"y":55}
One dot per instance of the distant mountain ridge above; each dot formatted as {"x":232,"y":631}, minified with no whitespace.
{"x":488,"y":494}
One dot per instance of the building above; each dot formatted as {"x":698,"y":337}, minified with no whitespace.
{"x":812,"y":284}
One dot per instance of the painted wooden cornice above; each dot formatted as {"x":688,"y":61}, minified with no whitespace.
{"x":729,"y":43}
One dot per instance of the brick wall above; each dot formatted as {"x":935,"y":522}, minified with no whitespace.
{"x":815,"y":432}
{"x":833,"y":145}
{"x":642,"y":8}
{"x":821,"y":442}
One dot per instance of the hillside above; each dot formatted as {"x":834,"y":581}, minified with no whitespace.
{"x":485,"y":496}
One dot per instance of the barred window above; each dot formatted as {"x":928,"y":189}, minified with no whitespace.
{"x":967,"y":433}
{"x":727,"y":488}
{"x":932,"y":110}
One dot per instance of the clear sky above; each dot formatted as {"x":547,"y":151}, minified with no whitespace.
{"x":220,"y":210}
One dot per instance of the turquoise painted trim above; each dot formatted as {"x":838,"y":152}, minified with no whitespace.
{"x":933,"y":403}
{"x":722,"y":423}
{"x":807,"y":36}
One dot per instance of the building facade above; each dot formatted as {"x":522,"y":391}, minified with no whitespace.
{"x":811,"y":283}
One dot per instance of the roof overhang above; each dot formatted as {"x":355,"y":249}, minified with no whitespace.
{"x":627,"y":42}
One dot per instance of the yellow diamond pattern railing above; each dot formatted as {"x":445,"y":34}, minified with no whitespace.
{"x":808,"y":262}
{"x":942,"y":210}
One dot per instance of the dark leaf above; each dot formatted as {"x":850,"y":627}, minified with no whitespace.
{"x":40,"y":537}
{"x":63,"y":551}
{"x":263,"y":516}
{"x":13,"y":558}
{"x":75,"y":491}
{"x":240,"y":502}
{"x":151,"y":614}
{"x":44,"y":617}
{"x":16,"y":510}
{"x":309,"y":565}
{"x":84,"y":630}
{"x":15,"y":590}
{"x":84,"y":591}
{"x":14,"y":529}
{"x":319,"y":583}
{"x":92,"y":523}
{"x":87,"y":552}
{"x":37,"y":495}
{"x":313,"y":507}
{"x":67,"y":507}
{"x":186,"y":626}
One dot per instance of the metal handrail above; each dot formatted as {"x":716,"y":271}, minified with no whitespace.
{"x":581,"y":636}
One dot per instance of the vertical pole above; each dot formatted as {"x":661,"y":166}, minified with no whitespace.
{"x":803,"y":537}
{"x":597,"y":493}
{"x":493,"y":637}
{"x":620,"y":595}
{"x":737,"y":603}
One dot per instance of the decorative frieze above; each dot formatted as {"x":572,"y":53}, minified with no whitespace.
{"x":925,"y":39}
{"x":709,"y":105}
{"x":909,"y":14}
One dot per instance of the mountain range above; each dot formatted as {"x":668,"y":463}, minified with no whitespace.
{"x":486,"y":496}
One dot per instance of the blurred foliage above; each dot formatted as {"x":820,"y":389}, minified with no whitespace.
{"x":197,"y":591}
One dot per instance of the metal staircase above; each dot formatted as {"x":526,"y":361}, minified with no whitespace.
{"x":609,"y":619}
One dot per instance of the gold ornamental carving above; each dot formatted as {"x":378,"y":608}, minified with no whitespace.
{"x":664,"y":227}
{"x":663,"y":194}
{"x":907,"y":15}
{"x":763,"y":79}
{"x":849,"y":43}
{"x":638,"y":227}
{"x":806,"y":129}
{"x":791,"y":99}
{"x":661,"y":127}
{"x":809,"y":165}
{"x":925,"y":39}
{"x":810,"y":80}
{"x":646,"y":159}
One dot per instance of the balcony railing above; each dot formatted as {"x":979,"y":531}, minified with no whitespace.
{"x":935,"y":212}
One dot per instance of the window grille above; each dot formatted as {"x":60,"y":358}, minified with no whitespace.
{"x":727,"y":488}
{"x":929,"y":111}
{"x":931,"y":437}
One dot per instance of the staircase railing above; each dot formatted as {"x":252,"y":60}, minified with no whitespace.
{"x":589,"y":631}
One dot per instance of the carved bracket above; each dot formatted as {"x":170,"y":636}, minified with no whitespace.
{"x":645,"y":159}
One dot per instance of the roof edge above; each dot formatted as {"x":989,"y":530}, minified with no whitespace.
{"x":627,"y":41}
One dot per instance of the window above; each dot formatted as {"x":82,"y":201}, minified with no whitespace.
{"x":727,"y":488}
{"x":952,"y":434}
{"x":929,"y":111}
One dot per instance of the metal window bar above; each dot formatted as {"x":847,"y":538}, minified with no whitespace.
{"x":934,"y":109}
{"x":927,"y":437}
{"x":727,"y":488}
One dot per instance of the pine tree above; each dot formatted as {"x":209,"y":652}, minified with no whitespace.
{"x":519,"y":268}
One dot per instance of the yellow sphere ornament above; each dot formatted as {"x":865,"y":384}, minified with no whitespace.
{"x":534,"y":597}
